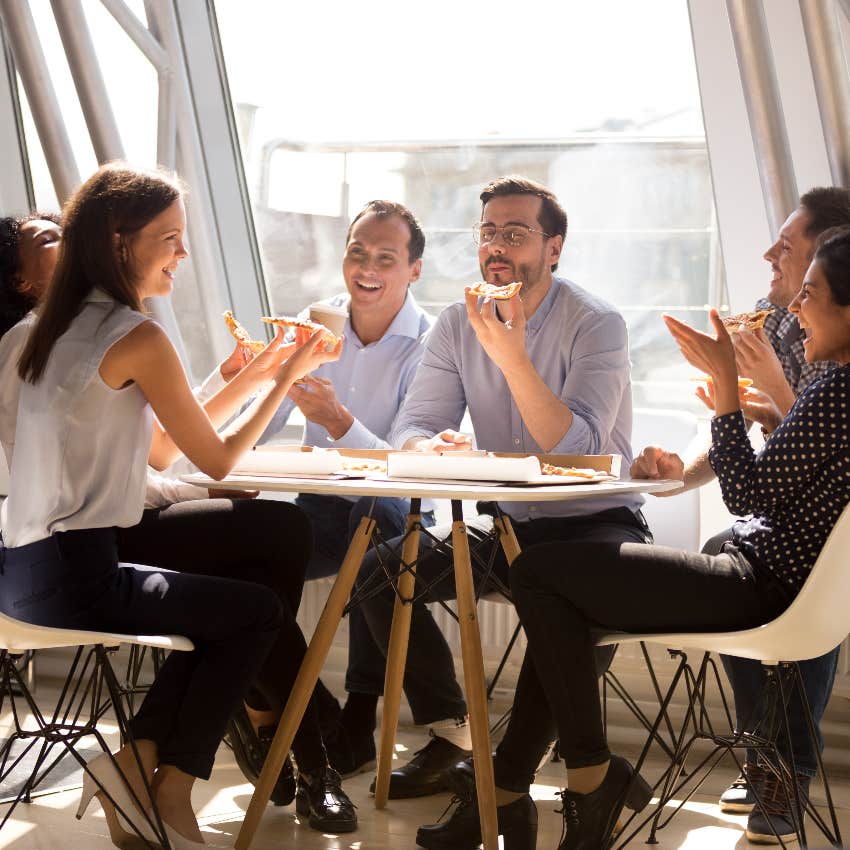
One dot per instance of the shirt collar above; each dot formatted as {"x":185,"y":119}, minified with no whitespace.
{"x":98,"y":296}
{"x":540,"y":314}
{"x":407,"y":322}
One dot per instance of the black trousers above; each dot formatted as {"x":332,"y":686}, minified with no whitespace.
{"x":430,"y":683}
{"x":566,"y":593}
{"x":73,"y":580}
{"x":265,"y":542}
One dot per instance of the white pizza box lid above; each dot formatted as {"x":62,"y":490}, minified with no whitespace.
{"x":462,"y":466}
{"x":288,"y":460}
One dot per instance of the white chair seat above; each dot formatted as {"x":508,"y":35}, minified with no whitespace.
{"x":816,"y":621}
{"x":18,"y":636}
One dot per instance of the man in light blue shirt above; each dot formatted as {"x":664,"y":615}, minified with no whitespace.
{"x":546,"y":371}
{"x":354,"y":405}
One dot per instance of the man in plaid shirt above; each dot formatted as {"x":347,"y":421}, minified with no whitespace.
{"x":774,"y":358}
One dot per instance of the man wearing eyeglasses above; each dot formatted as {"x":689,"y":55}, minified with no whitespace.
{"x":546,"y":371}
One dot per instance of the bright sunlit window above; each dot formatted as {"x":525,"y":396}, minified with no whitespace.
{"x":339,"y":103}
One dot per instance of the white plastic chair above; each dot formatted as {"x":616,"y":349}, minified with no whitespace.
{"x":815,"y":623}
{"x":90,"y":689}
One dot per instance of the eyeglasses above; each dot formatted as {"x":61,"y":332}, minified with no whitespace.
{"x":514,"y":235}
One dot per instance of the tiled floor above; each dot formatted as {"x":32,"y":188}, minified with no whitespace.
{"x":48,"y":823}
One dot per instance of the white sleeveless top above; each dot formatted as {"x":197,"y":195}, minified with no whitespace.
{"x":81,"y":448}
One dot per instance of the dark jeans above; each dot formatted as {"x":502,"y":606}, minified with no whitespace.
{"x":334,"y":521}
{"x":264,"y":542}
{"x":747,"y":678}
{"x":565,"y":594}
{"x":73,"y":580}
{"x":430,"y":683}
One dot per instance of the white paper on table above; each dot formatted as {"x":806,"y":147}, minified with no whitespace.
{"x":463,"y":467}
{"x":286,"y":461}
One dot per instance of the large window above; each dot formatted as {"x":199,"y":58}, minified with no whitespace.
{"x":339,"y":103}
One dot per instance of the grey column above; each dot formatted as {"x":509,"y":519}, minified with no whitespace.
{"x":764,"y":108}
{"x":31,"y":65}
{"x":829,"y":69}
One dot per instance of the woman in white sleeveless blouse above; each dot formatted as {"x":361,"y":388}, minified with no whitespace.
{"x":103,"y":394}
{"x":188,"y":529}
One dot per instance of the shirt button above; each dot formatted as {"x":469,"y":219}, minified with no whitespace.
{"x":516,"y":441}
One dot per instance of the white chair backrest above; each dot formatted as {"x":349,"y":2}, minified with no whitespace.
{"x":819,"y":618}
{"x":674,"y":520}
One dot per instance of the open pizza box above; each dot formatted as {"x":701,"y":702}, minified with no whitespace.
{"x":310,"y":462}
{"x":493,"y":467}
{"x":518,"y":469}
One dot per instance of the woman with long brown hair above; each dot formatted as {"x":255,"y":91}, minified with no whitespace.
{"x":188,"y":529}
{"x":102,"y":394}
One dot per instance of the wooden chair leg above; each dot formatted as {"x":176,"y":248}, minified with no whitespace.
{"x":396,"y":660}
{"x":473,"y":673}
{"x":305,"y":682}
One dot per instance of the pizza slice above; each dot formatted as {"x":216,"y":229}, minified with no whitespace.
{"x":304,"y":325}
{"x":490,"y":290}
{"x":572,"y":471}
{"x":751,"y":321}
{"x":241,"y":335}
{"x":707,"y":379}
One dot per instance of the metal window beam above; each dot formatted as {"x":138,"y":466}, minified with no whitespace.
{"x":764,"y":108}
{"x":16,"y":190}
{"x":829,"y":69}
{"x":166,"y":139}
{"x":32,"y":67}
{"x":88,"y":80}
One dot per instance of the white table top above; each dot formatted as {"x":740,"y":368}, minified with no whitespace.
{"x":430,"y":489}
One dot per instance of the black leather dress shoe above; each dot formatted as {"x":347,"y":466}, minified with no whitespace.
{"x":349,"y":754}
{"x":321,"y":799}
{"x":250,"y":749}
{"x":462,"y":831}
{"x":424,"y":774}
{"x":460,"y":778}
{"x":590,"y":819}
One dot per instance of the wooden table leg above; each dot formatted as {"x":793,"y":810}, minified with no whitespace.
{"x":305,"y":682}
{"x":397,"y":657}
{"x":473,"y":676}
{"x":507,"y":537}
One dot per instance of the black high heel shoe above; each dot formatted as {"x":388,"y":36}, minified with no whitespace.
{"x":462,"y":831}
{"x":590,"y":819}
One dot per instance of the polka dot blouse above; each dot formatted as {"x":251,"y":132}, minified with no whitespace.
{"x":796,"y":487}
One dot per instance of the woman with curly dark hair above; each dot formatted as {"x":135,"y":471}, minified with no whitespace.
{"x":28,"y":249}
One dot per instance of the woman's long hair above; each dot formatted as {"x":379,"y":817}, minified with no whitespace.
{"x":116,"y":201}
{"x":14,"y":302}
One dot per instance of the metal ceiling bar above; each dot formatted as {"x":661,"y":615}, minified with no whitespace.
{"x":829,"y":70}
{"x":764,"y":109}
{"x":88,"y":80}
{"x":41,"y":96}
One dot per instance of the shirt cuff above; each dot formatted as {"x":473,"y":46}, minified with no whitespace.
{"x":358,"y":436}
{"x":161,"y":491}
{"x":213,"y":383}
{"x":730,"y":427}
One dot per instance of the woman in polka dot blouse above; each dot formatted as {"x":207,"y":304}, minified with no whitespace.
{"x":795,"y":489}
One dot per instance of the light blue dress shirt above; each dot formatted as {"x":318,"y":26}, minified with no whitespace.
{"x":370,"y":380}
{"x":579,"y":347}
